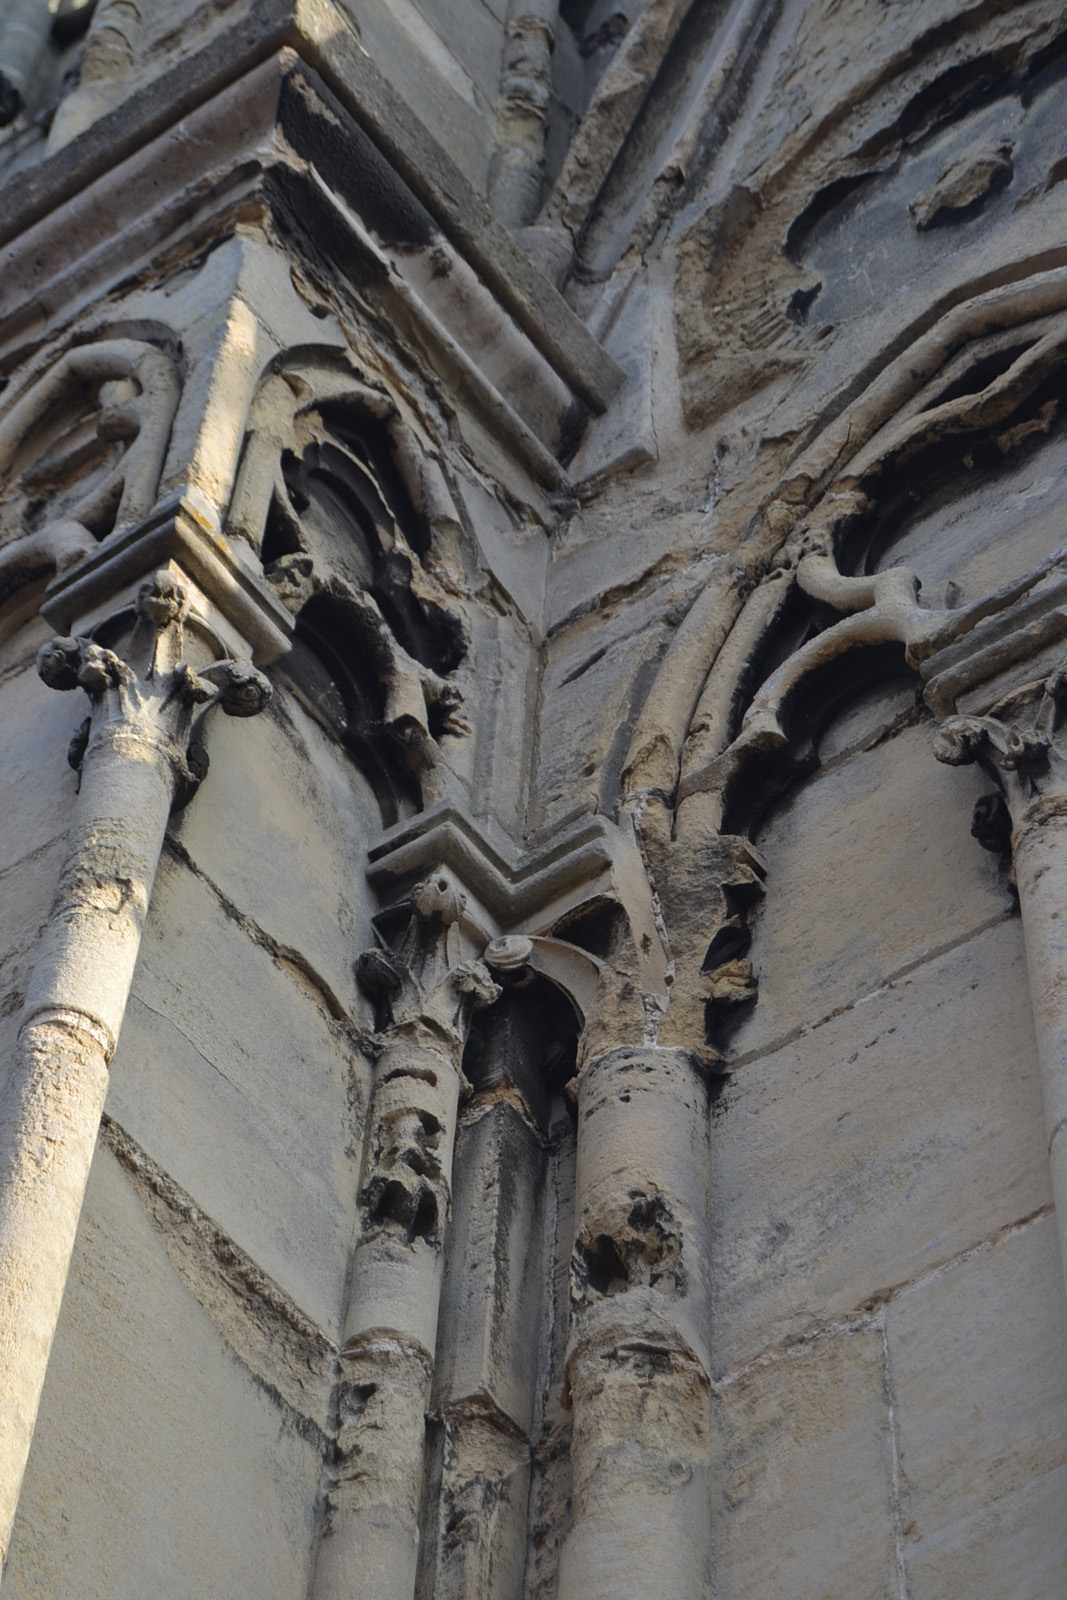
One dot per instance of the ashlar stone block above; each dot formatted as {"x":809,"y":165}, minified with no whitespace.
{"x":876,"y":1146}
{"x":979,"y":1373}
{"x":245,"y":1092}
{"x":804,"y":1474}
{"x":36,"y":784}
{"x":282,"y":832}
{"x":160,"y":1464}
{"x":871,"y":868}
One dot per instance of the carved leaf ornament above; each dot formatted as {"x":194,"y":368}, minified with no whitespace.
{"x":148,"y":692}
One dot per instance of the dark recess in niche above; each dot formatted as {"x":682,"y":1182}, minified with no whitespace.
{"x":1047,"y":67}
{"x":961,"y":89}
{"x":334,"y":671}
{"x":800,"y":620}
{"x":732,"y":941}
{"x":933,"y":478}
{"x":769,"y":775}
{"x":345,"y":500}
{"x":983,"y":372}
{"x":596,"y":927}
{"x":576,"y":14}
{"x":530,"y":1037}
{"x":71,"y":21}
{"x":367,"y":438}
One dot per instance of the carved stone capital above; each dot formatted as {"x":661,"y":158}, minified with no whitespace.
{"x":423,"y":985}
{"x":144,"y":691}
{"x":1018,"y":742}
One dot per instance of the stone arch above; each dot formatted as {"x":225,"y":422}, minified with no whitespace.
{"x":340,"y":500}
{"x":81,"y":453}
{"x":811,"y":608}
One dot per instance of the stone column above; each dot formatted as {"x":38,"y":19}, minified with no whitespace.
{"x":24,"y":30}
{"x":638,"y":1368}
{"x":138,"y":754}
{"x":425,"y":995}
{"x":1021,"y":743}
{"x":517,"y":167}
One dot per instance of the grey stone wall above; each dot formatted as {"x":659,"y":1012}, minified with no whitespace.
{"x":582,"y":1115}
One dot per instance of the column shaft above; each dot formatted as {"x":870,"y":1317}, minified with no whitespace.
{"x":638,"y":1368}
{"x":54,"y":1090}
{"x":147,"y":707}
{"x":1041,"y":874}
{"x":370,"y":1548}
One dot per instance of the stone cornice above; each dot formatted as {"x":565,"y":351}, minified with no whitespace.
{"x":278,"y":139}
{"x":508,"y":886}
{"x":320,"y":36}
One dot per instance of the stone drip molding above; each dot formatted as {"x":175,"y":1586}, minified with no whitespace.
{"x":152,"y":674}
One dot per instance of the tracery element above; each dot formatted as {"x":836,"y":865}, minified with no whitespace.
{"x":81,"y":453}
{"x":339,"y":501}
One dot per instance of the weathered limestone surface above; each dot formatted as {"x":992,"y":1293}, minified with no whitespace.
{"x":968,"y":1467}
{"x":590,"y":1101}
{"x":806,"y":1427}
{"x":226,"y":1471}
{"x":270,"y":1083}
{"x":880,"y":1144}
{"x":874,"y":827}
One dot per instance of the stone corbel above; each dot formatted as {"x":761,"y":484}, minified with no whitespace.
{"x":151,"y":678}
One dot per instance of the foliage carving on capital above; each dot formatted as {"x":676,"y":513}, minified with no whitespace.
{"x":145,"y":691}
{"x":423,"y":983}
{"x":1017,"y":743}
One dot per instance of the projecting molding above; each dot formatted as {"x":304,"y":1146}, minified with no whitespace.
{"x":302,"y":119}
{"x":174,"y":531}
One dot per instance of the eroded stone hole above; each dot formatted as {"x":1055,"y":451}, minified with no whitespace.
{"x":643,"y":1250}
{"x":729,"y":944}
{"x":605,"y":1269}
{"x":357,"y":1396}
{"x":413,"y":1211}
{"x":422,"y":1157}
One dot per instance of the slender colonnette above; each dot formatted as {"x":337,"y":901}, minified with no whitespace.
{"x":138,"y":755}
{"x":425,"y":994}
